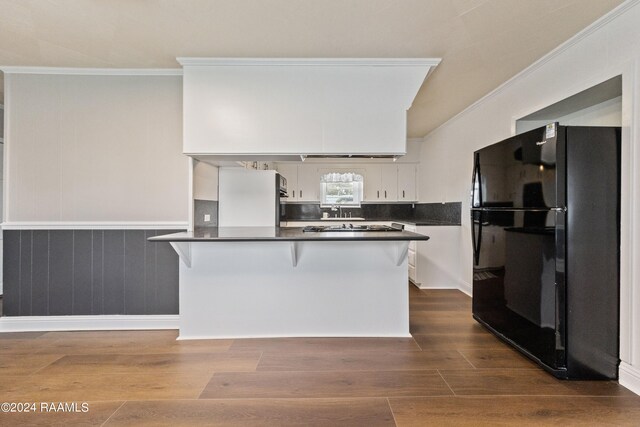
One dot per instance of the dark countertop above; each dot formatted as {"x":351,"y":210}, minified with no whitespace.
{"x":401,"y":221}
{"x":286,"y":234}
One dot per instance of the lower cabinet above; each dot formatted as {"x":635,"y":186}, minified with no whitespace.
{"x":439,"y":262}
{"x":412,"y":254}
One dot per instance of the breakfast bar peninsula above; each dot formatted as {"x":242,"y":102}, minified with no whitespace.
{"x":248,"y":282}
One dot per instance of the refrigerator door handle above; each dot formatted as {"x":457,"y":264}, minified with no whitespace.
{"x":521,"y":209}
{"x":476,"y":180}
{"x":476,"y":240}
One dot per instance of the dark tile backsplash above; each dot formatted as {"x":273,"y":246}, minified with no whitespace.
{"x":446,"y":213}
{"x":88,"y":272}
{"x":202,"y":207}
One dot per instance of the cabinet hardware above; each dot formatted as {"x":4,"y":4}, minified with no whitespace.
{"x":301,"y":194}
{"x":378,"y":194}
{"x":403,"y":194}
{"x":385,"y":194}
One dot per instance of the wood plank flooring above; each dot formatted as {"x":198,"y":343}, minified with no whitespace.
{"x":452,"y":372}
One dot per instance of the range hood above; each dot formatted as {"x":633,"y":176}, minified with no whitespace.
{"x":281,"y":109}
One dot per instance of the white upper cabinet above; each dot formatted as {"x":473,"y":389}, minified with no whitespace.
{"x":389,"y":183}
{"x":381,"y":183}
{"x":303,"y":181}
{"x":290,"y":172}
{"x":372,"y":183}
{"x":298,"y":106}
{"x":308,"y":183}
{"x":407,"y":190}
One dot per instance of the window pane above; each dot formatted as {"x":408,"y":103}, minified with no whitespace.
{"x":346,"y":193}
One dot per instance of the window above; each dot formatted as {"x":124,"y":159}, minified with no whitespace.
{"x":345,"y":189}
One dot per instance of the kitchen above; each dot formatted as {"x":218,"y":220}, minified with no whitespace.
{"x":110,"y":230}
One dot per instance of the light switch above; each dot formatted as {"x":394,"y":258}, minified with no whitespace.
{"x":207,"y":217}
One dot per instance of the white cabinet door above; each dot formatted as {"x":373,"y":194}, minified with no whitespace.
{"x":407,"y":182}
{"x":411,"y":255}
{"x":290,"y":172}
{"x":388,"y":183}
{"x":381,"y":183}
{"x":308,"y":183}
{"x":372,"y":182}
{"x":438,"y":261}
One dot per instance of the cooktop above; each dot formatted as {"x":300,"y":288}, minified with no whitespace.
{"x":347,"y":227}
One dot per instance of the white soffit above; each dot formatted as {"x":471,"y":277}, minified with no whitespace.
{"x":310,"y":106}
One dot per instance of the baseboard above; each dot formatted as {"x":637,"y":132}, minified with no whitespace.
{"x":462,"y":286}
{"x":629,"y":377}
{"x":87,"y":323}
{"x":423,"y":286}
{"x":259,"y":336}
{"x":466,"y":288}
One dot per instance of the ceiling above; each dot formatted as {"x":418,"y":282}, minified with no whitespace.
{"x":482,"y":43}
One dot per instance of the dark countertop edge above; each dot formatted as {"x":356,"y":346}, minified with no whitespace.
{"x":402,"y":221}
{"x":380,"y":236}
{"x":423,"y":223}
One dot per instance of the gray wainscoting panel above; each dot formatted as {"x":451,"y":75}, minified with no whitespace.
{"x":134,"y":271}
{"x":26,"y":278}
{"x":97,"y":275}
{"x":60,"y":271}
{"x":40,"y":287}
{"x":11,"y":275}
{"x":82,"y":299}
{"x":88,"y":272}
{"x":113,"y":273}
{"x":166,"y":278}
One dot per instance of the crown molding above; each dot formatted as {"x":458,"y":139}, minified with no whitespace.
{"x":93,"y":71}
{"x":577,"y":38}
{"x":344,"y":62}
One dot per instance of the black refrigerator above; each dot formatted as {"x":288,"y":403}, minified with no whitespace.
{"x":545,"y":214}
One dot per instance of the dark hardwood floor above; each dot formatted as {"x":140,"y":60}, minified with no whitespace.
{"x":452,"y":372}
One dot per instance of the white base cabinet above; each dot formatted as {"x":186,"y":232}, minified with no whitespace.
{"x":437,"y":262}
{"x":412,"y":254}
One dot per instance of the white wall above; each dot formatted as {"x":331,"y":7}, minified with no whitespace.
{"x":94,"y":148}
{"x":205,"y":181}
{"x":608,"y":48}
